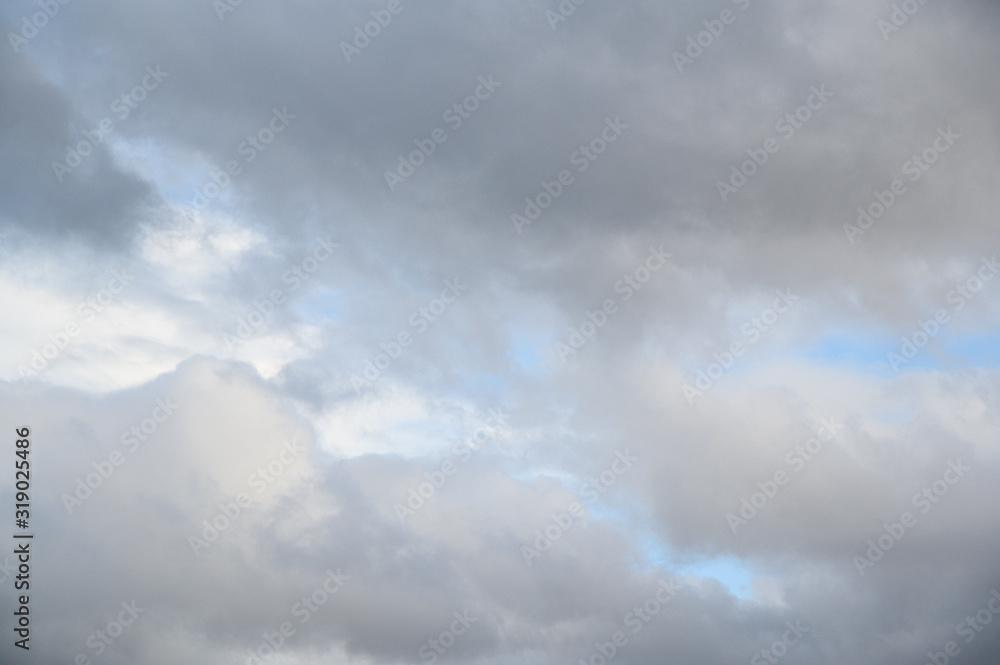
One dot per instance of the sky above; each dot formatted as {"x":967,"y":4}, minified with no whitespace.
{"x":569,"y":331}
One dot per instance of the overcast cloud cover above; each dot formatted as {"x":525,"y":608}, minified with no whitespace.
{"x":614,"y":374}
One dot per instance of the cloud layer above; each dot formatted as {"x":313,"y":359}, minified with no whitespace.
{"x":400,"y":332}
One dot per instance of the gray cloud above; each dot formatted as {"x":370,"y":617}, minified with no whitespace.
{"x":294,"y":305}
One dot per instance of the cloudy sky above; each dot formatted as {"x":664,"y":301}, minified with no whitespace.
{"x":383,"y":332}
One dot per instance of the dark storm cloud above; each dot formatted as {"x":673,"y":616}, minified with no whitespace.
{"x":100,"y":203}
